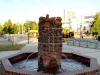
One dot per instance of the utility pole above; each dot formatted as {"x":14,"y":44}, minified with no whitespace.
{"x":81,"y":27}
{"x":28,"y":33}
{"x":21,"y":32}
{"x":69,"y":24}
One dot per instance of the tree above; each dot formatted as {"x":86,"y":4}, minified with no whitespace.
{"x":10,"y":27}
{"x":35,"y":26}
{"x":32,"y":24}
{"x":1,"y":28}
{"x":64,"y":29}
{"x":95,"y":18}
{"x":7,"y":27}
{"x":15,"y":29}
{"x":95,"y":25}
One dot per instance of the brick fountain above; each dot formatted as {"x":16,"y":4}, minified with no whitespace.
{"x":49,"y":60}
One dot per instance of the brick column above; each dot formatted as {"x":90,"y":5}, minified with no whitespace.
{"x":50,"y":42}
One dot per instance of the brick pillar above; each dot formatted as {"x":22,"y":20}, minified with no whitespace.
{"x":50,"y":42}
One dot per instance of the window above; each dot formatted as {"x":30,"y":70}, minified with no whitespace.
{"x":87,"y":17}
{"x":86,"y":21}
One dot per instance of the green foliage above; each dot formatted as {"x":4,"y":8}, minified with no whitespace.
{"x":11,"y":47}
{"x":35,"y":26}
{"x":15,"y":29}
{"x":32,"y":25}
{"x":67,"y":29}
{"x":9,"y":22}
{"x":10,"y":28}
{"x":1,"y":28}
{"x":98,"y":38}
{"x":95,"y":25}
{"x":64,"y":29}
{"x":5,"y":27}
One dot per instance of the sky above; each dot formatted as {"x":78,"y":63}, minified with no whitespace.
{"x":22,"y":10}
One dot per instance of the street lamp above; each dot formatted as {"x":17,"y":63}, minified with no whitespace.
{"x":69,"y":24}
{"x":28,"y":33}
{"x":80,"y":31}
{"x":81,"y":28}
{"x":21,"y":31}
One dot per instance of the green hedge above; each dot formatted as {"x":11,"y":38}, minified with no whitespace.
{"x":98,"y":38}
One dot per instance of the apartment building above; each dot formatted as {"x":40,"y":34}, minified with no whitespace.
{"x":77,"y":20}
{"x":83,"y":21}
{"x":66,"y":17}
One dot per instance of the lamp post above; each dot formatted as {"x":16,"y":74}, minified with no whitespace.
{"x":69,"y":24}
{"x":28,"y":33}
{"x":18,"y":29}
{"x":80,"y":31}
{"x":81,"y":28}
{"x":21,"y":31}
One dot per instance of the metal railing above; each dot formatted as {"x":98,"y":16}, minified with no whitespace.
{"x":87,"y":43}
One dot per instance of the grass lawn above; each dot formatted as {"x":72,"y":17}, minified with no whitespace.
{"x":11,"y":47}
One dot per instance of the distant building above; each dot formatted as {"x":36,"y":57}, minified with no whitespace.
{"x":88,"y":18}
{"x":72,"y":20}
{"x":75,"y":22}
{"x":83,"y":20}
{"x":66,"y":16}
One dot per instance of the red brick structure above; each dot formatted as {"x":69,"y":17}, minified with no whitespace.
{"x":50,"y":42}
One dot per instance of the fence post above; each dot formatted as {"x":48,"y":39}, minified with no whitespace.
{"x":87,"y":44}
{"x":67,"y":42}
{"x":96,"y":44}
{"x":73,"y":42}
{"x":79,"y":42}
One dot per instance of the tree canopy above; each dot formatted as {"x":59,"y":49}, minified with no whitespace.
{"x":95,"y":25}
{"x":1,"y":27}
{"x":9,"y":28}
{"x":30,"y":24}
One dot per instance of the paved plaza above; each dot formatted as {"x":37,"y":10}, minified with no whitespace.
{"x":33,"y":47}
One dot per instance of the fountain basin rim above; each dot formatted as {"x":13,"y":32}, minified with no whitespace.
{"x":7,"y":66}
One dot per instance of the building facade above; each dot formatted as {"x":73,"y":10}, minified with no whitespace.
{"x":83,"y":21}
{"x":74,"y":21}
{"x":67,"y":15}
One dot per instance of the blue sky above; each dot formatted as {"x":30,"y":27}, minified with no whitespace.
{"x":22,"y":10}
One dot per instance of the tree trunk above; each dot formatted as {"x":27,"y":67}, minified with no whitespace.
{"x":96,"y":36}
{"x":9,"y":38}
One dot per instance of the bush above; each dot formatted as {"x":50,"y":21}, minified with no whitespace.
{"x":98,"y":38}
